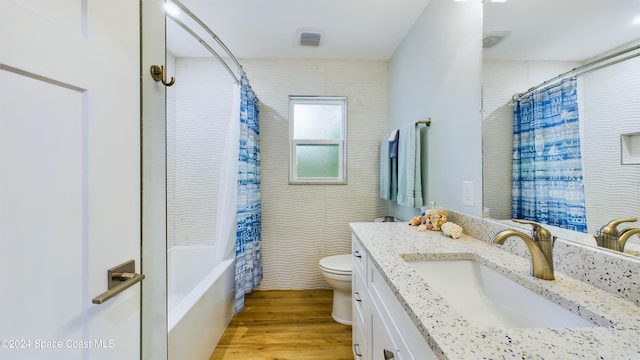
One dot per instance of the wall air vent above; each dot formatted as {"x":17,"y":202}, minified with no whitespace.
{"x":309,"y":38}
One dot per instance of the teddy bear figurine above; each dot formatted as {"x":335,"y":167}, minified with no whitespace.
{"x":434,"y":219}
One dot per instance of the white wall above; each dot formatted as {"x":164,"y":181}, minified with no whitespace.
{"x":436,"y":73}
{"x":611,"y":108}
{"x":303,"y":223}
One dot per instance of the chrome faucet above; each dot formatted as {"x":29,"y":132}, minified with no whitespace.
{"x":609,"y":237}
{"x":540,"y":245}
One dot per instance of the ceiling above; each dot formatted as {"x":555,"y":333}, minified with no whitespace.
{"x":566,"y":30}
{"x":560,"y":30}
{"x":353,"y":29}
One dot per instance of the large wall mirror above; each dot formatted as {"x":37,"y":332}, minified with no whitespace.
{"x":528,"y":42}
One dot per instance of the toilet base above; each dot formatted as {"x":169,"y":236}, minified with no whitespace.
{"x":341,"y":321}
{"x":341,"y":308}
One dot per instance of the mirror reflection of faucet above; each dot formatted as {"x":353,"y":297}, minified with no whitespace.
{"x":609,"y":237}
{"x":540,"y":245}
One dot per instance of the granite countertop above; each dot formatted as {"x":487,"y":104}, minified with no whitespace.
{"x":450,"y":336}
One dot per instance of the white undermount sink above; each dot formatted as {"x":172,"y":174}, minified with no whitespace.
{"x":486,"y":298}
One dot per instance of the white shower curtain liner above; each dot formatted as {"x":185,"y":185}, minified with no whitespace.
{"x":226,"y":221}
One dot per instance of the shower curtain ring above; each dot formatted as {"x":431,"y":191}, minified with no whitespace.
{"x":157,"y":73}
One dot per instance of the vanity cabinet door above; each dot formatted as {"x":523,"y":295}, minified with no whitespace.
{"x":410,"y":344}
{"x":383,"y":344}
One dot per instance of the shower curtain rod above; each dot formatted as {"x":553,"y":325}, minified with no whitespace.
{"x":204,"y":43}
{"x":210,"y":32}
{"x":586,"y":68}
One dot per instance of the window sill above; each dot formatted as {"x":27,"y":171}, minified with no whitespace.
{"x":316,"y":182}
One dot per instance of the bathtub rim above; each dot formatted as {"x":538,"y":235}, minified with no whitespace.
{"x":178,"y":311}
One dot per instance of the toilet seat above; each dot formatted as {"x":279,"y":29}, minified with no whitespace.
{"x":337,"y":264}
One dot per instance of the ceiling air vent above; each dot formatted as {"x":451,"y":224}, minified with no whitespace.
{"x":492,"y":38}
{"x":310,"y":38}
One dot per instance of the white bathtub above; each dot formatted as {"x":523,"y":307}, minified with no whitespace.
{"x":200,"y":301}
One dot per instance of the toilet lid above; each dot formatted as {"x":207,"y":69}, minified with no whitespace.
{"x":337,"y":263}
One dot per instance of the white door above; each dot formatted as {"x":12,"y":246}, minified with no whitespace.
{"x":69,"y":177}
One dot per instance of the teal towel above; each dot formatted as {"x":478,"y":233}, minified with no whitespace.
{"x":410,"y":165}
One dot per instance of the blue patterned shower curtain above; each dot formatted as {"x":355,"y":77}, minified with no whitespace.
{"x":249,"y":229}
{"x":547,"y":182}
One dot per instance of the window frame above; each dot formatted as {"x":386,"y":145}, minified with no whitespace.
{"x":341,"y":143}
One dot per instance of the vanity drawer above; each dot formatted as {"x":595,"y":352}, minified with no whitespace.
{"x":360,"y":297}
{"x":359,"y":256}
{"x":359,"y":343}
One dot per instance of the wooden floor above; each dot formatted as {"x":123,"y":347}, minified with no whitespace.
{"x":285,"y":325}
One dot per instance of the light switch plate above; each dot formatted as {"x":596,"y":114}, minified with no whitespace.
{"x":468,"y":197}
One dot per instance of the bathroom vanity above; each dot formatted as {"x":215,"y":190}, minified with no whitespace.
{"x":381,"y":327}
{"x":398,"y":314}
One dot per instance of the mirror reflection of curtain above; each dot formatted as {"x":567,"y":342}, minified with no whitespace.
{"x":249,"y":212}
{"x":547,"y":185}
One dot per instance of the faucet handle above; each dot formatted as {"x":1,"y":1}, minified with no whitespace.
{"x":538,"y":233}
{"x":610,"y":228}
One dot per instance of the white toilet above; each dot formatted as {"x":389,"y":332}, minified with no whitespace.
{"x":336,"y":270}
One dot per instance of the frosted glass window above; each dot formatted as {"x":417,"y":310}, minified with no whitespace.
{"x":317,"y":121}
{"x":318,"y":161}
{"x":317,"y":140}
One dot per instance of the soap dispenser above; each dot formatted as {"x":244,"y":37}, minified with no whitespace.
{"x":424,"y":210}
